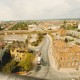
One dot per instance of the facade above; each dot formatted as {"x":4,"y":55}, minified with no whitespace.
{"x":61,"y":32}
{"x":79,"y":26}
{"x":18,"y":54}
{"x":73,"y":33}
{"x":18,"y":50}
{"x":66,"y":55}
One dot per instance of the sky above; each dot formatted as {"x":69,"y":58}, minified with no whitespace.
{"x":39,"y":9}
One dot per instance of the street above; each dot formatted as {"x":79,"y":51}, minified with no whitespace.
{"x":45,"y":71}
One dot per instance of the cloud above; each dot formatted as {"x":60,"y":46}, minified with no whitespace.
{"x":5,"y":13}
{"x":38,"y":9}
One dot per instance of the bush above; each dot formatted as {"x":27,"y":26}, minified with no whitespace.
{"x":39,"y":39}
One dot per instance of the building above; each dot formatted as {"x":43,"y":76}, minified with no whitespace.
{"x":61,"y":32}
{"x":53,"y":27}
{"x":32,"y":27}
{"x":18,"y":50}
{"x":66,"y":55}
{"x":78,"y":26}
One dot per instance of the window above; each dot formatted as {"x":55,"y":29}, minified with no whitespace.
{"x":17,"y":50}
{"x":20,"y":58}
{"x":61,"y":58}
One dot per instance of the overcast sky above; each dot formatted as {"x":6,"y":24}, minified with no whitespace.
{"x":39,"y":9}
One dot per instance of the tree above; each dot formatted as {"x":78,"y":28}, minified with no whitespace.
{"x":64,"y":22}
{"x":26,"y":41}
{"x":26,"y":63}
{"x":66,"y":40}
{"x":9,"y":67}
{"x":20,"y":25}
{"x":40,"y":36}
{"x":62,"y":26}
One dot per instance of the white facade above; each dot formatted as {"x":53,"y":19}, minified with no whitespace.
{"x":54,"y":27}
{"x":79,"y":26}
{"x":32,"y":27}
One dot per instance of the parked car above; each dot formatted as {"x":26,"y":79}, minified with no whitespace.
{"x":39,"y":60}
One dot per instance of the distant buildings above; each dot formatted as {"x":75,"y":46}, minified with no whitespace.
{"x":32,"y":27}
{"x":66,"y":54}
{"x":53,"y":27}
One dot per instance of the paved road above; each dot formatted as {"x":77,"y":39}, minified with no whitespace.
{"x":17,"y":77}
{"x":46,"y":72}
{"x":42,"y":70}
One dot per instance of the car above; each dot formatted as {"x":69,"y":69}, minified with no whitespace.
{"x":39,"y":60}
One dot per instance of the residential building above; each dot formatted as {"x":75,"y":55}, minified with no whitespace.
{"x":61,"y":32}
{"x":18,"y":50}
{"x":66,"y":55}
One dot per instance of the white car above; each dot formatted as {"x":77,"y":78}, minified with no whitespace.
{"x":39,"y":60}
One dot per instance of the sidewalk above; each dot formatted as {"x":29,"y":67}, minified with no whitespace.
{"x":50,"y":54}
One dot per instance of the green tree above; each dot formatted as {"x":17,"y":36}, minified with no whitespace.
{"x":26,"y":63}
{"x":9,"y":67}
{"x":66,"y":40}
{"x":20,"y":25}
{"x":64,"y":22}
{"x":35,"y":43}
{"x":26,"y":41}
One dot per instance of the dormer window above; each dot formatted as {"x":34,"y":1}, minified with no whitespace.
{"x":61,"y":58}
